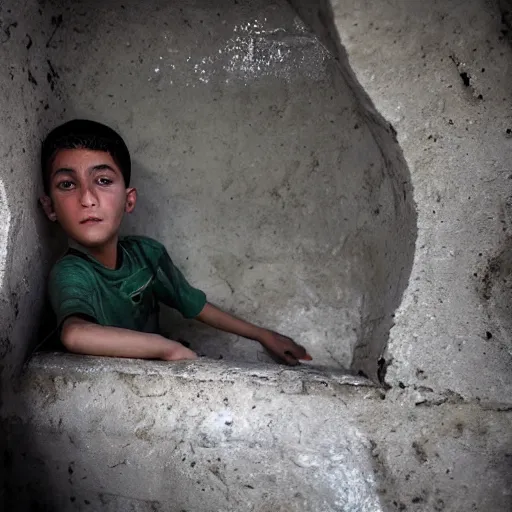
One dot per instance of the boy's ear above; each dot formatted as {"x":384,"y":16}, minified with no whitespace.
{"x":131,"y":199}
{"x":47,"y":204}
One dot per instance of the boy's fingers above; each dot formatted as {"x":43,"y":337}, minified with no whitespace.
{"x":290,"y":358}
{"x":301,"y":353}
{"x":291,"y":353}
{"x":189,"y":354}
{"x":282,"y":358}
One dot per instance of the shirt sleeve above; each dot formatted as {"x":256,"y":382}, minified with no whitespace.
{"x":173,"y":289}
{"x":71,"y":292}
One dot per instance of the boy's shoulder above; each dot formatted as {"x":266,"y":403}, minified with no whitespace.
{"x":70,"y":260}
{"x":75,"y":265}
{"x":71,"y":269}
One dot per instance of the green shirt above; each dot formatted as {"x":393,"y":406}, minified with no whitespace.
{"x":127,"y":296}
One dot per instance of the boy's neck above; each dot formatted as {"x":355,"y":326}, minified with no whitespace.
{"x":105,"y":254}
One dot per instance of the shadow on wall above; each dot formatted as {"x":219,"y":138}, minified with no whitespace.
{"x":369,"y":353}
{"x":31,"y":101}
{"x":496,"y":291}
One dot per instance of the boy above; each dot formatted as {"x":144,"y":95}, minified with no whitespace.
{"x":106,"y":294}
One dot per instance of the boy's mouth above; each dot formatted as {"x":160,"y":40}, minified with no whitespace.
{"x":90,"y":220}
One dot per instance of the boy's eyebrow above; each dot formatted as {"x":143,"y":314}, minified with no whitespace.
{"x":99,"y":167}
{"x":64,"y":170}
{"x":102,"y":167}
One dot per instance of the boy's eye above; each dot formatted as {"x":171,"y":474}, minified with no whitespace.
{"x":104,"y":181}
{"x":65,"y":185}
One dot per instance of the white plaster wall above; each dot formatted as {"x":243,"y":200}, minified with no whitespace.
{"x":5,"y":214}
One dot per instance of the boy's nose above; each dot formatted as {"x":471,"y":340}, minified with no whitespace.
{"x":87,"y":198}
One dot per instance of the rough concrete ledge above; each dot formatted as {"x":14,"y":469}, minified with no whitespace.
{"x":83,"y":431}
{"x":303,"y":379}
{"x":119,"y":434}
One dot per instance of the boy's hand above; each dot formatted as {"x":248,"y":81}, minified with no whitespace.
{"x":283,"y":349}
{"x":175,"y":351}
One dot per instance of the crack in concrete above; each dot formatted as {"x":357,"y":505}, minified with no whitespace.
{"x":450,"y":397}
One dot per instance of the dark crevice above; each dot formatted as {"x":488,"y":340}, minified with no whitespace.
{"x":466,"y":79}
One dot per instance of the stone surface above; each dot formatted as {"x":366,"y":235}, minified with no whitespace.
{"x":98,"y":434}
{"x":440,"y":72}
{"x":188,"y":436}
{"x":109,"y":434}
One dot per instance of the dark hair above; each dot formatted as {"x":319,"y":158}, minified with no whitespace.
{"x":84,"y":134}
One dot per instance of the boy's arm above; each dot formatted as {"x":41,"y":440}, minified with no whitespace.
{"x":281,"y":347}
{"x":83,"y":337}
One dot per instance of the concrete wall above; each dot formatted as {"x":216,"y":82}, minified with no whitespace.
{"x":149,"y":436}
{"x":440,"y":73}
{"x":30,"y":105}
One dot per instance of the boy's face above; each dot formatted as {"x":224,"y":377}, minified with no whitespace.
{"x":88,"y":196}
